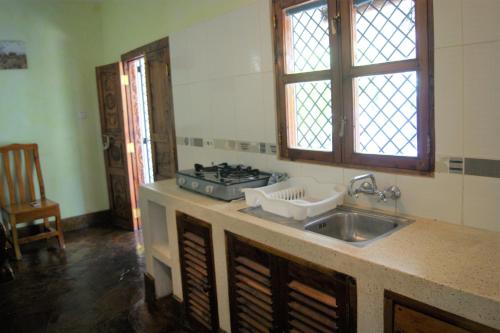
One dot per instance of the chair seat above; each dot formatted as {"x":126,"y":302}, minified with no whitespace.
{"x":27,"y":211}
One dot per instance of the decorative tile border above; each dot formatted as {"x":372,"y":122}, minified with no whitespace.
{"x":234,"y":145}
{"x":444,"y":164}
{"x":482,"y":167}
{"x":456,"y":165}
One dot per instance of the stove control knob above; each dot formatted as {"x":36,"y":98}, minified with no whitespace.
{"x":181,"y":181}
{"x":209,"y":189}
{"x":195,"y":185}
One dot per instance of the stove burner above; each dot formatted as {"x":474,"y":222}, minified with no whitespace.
{"x":222,"y":181}
{"x":199,"y":168}
{"x":225,"y":170}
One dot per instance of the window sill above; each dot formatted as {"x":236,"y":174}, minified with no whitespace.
{"x":429,"y":174}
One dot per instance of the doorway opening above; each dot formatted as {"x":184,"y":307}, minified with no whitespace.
{"x":144,"y":152}
{"x":137,"y":126}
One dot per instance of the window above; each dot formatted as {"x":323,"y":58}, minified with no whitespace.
{"x":354,"y":82}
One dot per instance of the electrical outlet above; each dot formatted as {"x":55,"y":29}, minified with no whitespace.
{"x":82,"y":115}
{"x":209,"y":143}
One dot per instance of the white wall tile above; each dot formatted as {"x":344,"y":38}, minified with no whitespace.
{"x":180,"y":58}
{"x":323,"y":173}
{"x":223,"y":112}
{"x":481,"y":20}
{"x":259,"y":161}
{"x":370,"y":201}
{"x":221,"y":155}
{"x":182,"y":110}
{"x":482,"y":100}
{"x":219,"y":47}
{"x":447,"y":23}
{"x":481,"y":202}
{"x":201,"y":112}
{"x":186,"y":157}
{"x":438,"y":197}
{"x":291,"y":168}
{"x":248,"y":106}
{"x":189,"y":155}
{"x":265,"y":26}
{"x":245,"y":36}
{"x":449,"y":85}
{"x":269,"y":107}
{"x":198,"y":47}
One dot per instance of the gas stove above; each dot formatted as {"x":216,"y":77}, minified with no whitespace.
{"x":222,"y":181}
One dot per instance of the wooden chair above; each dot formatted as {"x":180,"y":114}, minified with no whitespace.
{"x":21,"y":205}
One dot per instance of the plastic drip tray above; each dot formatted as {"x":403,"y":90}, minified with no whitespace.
{"x":291,"y":222}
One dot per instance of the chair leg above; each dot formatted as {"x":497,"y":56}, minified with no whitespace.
{"x":60,"y":237}
{"x":46,"y":223}
{"x":15,"y":240}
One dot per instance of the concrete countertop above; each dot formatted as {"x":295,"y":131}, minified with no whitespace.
{"x":451,"y":267}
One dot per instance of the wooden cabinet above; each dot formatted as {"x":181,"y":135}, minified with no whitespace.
{"x":253,"y":292}
{"x":198,"y":274}
{"x":404,"y":315}
{"x":274,"y":292}
{"x":317,"y":299}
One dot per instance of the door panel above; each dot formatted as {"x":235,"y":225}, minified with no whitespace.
{"x":198,"y":273}
{"x":115,"y":133}
{"x":119,"y":196}
{"x":161,"y":113}
{"x":316,"y":301}
{"x":253,"y":284}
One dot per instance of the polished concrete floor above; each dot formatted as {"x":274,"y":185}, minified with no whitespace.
{"x":95,"y":285}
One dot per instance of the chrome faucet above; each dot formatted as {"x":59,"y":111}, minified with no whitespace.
{"x":370,"y":188}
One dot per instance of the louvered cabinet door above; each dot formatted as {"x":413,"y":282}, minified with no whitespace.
{"x":406,"y":315}
{"x":197,"y":269}
{"x":252,"y":282}
{"x":315,"y":300}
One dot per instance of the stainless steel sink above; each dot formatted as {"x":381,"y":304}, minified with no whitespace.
{"x":356,"y":226}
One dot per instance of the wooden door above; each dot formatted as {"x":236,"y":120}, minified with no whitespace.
{"x":198,"y":274}
{"x":161,"y":111}
{"x":114,"y":131}
{"x":253,"y":287}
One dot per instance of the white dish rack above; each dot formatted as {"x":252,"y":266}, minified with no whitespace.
{"x":297,"y":198}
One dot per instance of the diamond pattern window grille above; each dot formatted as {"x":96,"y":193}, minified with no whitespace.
{"x":386,"y":114}
{"x":313,"y":115}
{"x":310,"y":49}
{"x":385,"y":31}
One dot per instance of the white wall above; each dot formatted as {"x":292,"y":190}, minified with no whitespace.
{"x":223,"y":85}
{"x":54,"y":101}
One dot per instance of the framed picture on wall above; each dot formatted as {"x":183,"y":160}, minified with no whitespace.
{"x":13,"y":54}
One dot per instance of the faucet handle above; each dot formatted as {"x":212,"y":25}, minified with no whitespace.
{"x":367,"y":186}
{"x":392,"y":192}
{"x":381,"y":196}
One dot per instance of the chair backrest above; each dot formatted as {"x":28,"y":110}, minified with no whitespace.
{"x":18,"y":164}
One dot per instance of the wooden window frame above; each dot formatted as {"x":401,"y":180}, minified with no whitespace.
{"x":342,"y":74}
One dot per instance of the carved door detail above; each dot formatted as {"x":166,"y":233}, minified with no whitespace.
{"x":114,"y":130}
{"x":161,"y":112}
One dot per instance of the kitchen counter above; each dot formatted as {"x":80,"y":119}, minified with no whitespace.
{"x":451,"y":267}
